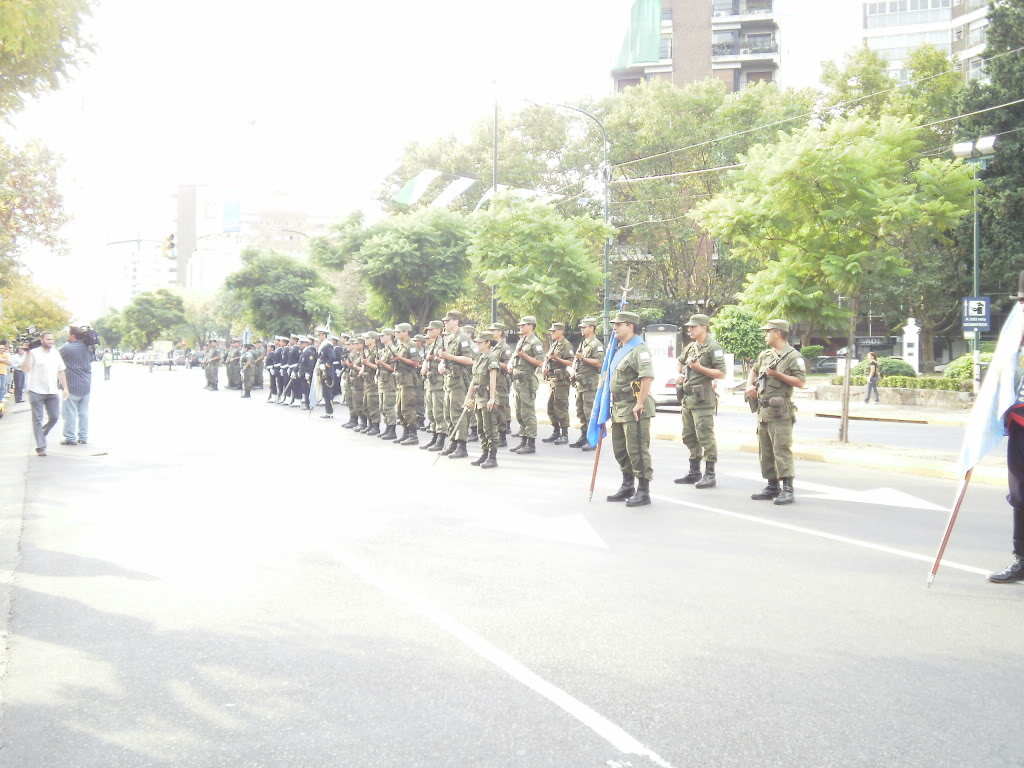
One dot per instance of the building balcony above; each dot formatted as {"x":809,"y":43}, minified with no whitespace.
{"x":722,"y":10}
{"x":742,"y":48}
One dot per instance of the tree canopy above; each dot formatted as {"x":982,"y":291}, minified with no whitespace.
{"x":273,"y":289}
{"x":149,"y":316}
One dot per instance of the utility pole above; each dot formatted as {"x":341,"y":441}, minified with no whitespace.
{"x":494,"y":193}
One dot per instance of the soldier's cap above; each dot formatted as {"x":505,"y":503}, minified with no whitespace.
{"x":470,"y":329}
{"x":485,"y":336}
{"x":322,"y":329}
{"x":345,"y":336}
{"x":249,"y":346}
{"x":588,"y":321}
{"x":419,"y":337}
{"x":305,"y":339}
{"x":496,"y":327}
{"x":626,"y":317}
{"x":357,"y":340}
{"x":403,"y":327}
{"x":435,"y":324}
{"x":776,"y":325}
{"x":294,"y":336}
{"x":371,"y":335}
{"x":453,"y":315}
{"x":280,"y":338}
{"x":528,"y":320}
{"x":556,"y":327}
{"x":334,"y":338}
{"x":387,"y":331}
{"x":699,"y":320}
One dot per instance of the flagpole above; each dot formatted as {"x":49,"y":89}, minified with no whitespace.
{"x":949,"y":526}
{"x":597,"y":460}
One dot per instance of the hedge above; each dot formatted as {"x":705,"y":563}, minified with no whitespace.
{"x":909,"y":382}
{"x":887,"y":366}
{"x":962,"y":369}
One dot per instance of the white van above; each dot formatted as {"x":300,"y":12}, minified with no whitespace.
{"x":664,"y":343}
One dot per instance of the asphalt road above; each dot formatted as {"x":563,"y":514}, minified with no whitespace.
{"x":220,"y":582}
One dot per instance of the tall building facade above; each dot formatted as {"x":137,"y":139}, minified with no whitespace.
{"x":736,"y":41}
{"x":896,"y":27}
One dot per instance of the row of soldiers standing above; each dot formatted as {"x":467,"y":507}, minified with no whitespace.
{"x":243,"y":363}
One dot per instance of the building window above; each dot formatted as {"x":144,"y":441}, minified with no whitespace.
{"x":666,"y":14}
{"x":976,"y":68}
{"x":665,"y":51}
{"x":977,"y":34}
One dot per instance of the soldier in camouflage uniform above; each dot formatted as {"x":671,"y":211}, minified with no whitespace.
{"x":247,"y":371}
{"x":632,"y":410}
{"x":407,"y":361}
{"x":556,"y":371}
{"x":433,"y":383}
{"x":387,"y":386}
{"x":457,"y":359}
{"x":585,"y":375}
{"x":371,"y":395}
{"x":778,"y":370}
{"x":357,"y":405}
{"x":233,"y":364}
{"x":421,"y":396}
{"x":258,"y":364}
{"x":482,"y":399}
{"x":211,"y":364}
{"x":700,"y":364}
{"x":527,"y":358}
{"x":503,"y":352}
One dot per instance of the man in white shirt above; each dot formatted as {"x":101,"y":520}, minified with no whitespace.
{"x":44,"y":368}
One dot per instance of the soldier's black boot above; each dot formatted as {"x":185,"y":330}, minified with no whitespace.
{"x":563,"y":436}
{"x":786,"y":497}
{"x":473,"y":436}
{"x":642,"y":496}
{"x":389,"y":433}
{"x":626,"y":490}
{"x":411,"y":438}
{"x":708,"y":481}
{"x":581,"y":442}
{"x":439,"y":445}
{"x":492,"y":460}
{"x":767,"y":493}
{"x":554,"y":436}
{"x":692,"y":476}
{"x":397,"y":439}
{"x":481,"y":460}
{"x":1014,"y":572}
{"x":503,"y":440}
{"x":450,"y":449}
{"x":530,"y":447}
{"x":352,"y":421}
{"x":460,"y":450}
{"x":374,"y":429}
{"x":523,"y":440}
{"x":432,"y":443}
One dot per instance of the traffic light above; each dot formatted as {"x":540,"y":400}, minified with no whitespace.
{"x":168,"y":246}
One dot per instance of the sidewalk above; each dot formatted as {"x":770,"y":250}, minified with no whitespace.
{"x":15,"y":454}
{"x":858,"y":408}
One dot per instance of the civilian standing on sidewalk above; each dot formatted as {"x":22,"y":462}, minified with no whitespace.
{"x":19,"y":375}
{"x":108,"y":361}
{"x":44,"y":368}
{"x":78,"y":361}
{"x":5,"y":371}
{"x":873,"y":377}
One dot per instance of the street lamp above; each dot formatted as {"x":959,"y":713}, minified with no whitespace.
{"x":977,"y":153}
{"x":606,"y":177}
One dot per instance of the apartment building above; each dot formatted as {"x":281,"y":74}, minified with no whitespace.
{"x":896,"y":27}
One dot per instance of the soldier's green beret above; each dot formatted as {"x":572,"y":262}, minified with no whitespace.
{"x":403,"y":327}
{"x":556,"y":327}
{"x":699,"y":320}
{"x":588,"y":321}
{"x":453,"y":315}
{"x":437,"y":324}
{"x":485,"y":336}
{"x":776,"y":325}
{"x":626,"y":317}
{"x":528,"y":320}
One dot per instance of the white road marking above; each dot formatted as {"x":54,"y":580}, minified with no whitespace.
{"x":823,"y":535}
{"x":599,"y":724}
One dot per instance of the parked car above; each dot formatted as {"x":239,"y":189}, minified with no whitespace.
{"x":826,"y":365}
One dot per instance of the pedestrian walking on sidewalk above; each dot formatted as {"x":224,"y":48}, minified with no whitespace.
{"x":701,"y":363}
{"x":108,"y":363}
{"x":873,"y":377}
{"x":44,"y":371}
{"x":78,"y":363}
{"x":778,"y":370}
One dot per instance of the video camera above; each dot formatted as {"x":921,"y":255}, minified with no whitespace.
{"x":28,"y":338}
{"x":89,"y":336}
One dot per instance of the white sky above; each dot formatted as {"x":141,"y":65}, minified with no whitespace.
{"x":310,"y":97}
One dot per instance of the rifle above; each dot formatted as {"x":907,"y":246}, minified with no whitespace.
{"x":574,"y":372}
{"x":759,"y":382}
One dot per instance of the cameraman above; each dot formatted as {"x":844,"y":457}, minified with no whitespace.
{"x":44,"y":367}
{"x":78,"y":361}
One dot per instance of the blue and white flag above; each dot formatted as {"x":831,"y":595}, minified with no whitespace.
{"x":603,"y":400}
{"x":986,"y":425}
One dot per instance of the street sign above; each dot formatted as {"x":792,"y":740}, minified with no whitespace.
{"x":976,"y":313}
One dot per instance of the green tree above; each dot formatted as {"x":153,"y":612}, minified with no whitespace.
{"x":835,"y":207}
{"x":150,"y":316}
{"x":337,"y":249}
{"x":541,"y":262}
{"x":859,"y":87}
{"x":414,"y":264}
{"x":25,"y":303}
{"x":201,"y":321}
{"x":108,"y":326}
{"x":273,"y":290}
{"x":40,"y":40}
{"x":739,"y":332}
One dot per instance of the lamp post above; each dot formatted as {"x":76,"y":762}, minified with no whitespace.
{"x":606,"y":177}
{"x":977,"y":153}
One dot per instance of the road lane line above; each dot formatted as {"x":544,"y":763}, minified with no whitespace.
{"x":823,"y":535}
{"x":599,"y":724}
